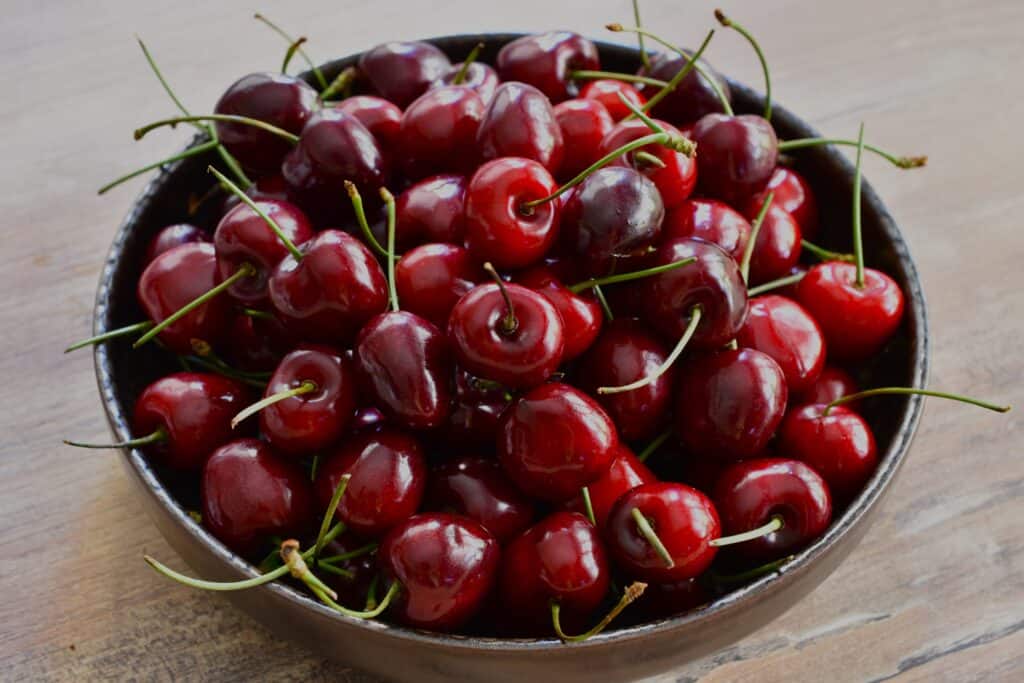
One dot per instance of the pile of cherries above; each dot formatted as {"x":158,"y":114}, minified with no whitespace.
{"x":449,"y":310}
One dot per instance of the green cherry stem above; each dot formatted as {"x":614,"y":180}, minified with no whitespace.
{"x":690,"y":65}
{"x":599,"y":293}
{"x":351,"y":555}
{"x":629,"y":277}
{"x":337,"y":571}
{"x":825,"y":254}
{"x":632,"y":592}
{"x":510,"y":323}
{"x":306,"y":387}
{"x":389,"y":207}
{"x":648,"y":532}
{"x":470,"y":58}
{"x":159,"y":436}
{"x":332,"y":508}
{"x":364,"y":226}
{"x":215,"y":365}
{"x":341,"y":84}
{"x":654,"y":445}
{"x":271,"y":223}
{"x":588,"y":505}
{"x":901,"y":162}
{"x":591,"y":75}
{"x":224,"y":118}
{"x":729,"y":23}
{"x":298,"y":568}
{"x":190,"y":152}
{"x":258,"y":314}
{"x":907,"y":391}
{"x":297,"y":43}
{"x":110,"y":334}
{"x":755,"y":229}
{"x":648,"y":159}
{"x":644,"y":57}
{"x":163,"y":82}
{"x":695,"y":315}
{"x":292,"y":49}
{"x":755,"y":573}
{"x":392,"y":593}
{"x":858,"y":241}
{"x":776,"y":284}
{"x":771,"y":527}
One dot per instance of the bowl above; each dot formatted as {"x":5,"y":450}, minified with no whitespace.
{"x":630,"y":653}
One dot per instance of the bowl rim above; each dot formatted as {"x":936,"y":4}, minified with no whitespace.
{"x":735,"y":601}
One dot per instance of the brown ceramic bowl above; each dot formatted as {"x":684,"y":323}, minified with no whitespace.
{"x":629,"y":653}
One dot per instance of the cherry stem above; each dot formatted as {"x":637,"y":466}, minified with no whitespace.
{"x":190,"y":152}
{"x":654,"y":445}
{"x":771,"y":527}
{"x":341,"y":84}
{"x":907,"y":391}
{"x":775,"y":284}
{"x":695,"y":315}
{"x":216,"y":365}
{"x":257,"y":314}
{"x":509,"y":323}
{"x":464,"y":69}
{"x":629,"y":277}
{"x":163,"y":82}
{"x":392,"y":593}
{"x":224,"y":118}
{"x":110,"y":334}
{"x":588,"y":505}
{"x":755,"y":228}
{"x":279,"y":31}
{"x":729,"y":23}
{"x":858,"y":241}
{"x":599,"y":293}
{"x":332,"y":508}
{"x":245,"y":270}
{"x":591,"y":75}
{"x":351,"y":555}
{"x":292,"y":49}
{"x":371,"y":593}
{"x":271,"y":223}
{"x":641,"y":114}
{"x":337,"y":571}
{"x":902,"y":162}
{"x":726,"y":106}
{"x":632,"y":592}
{"x":389,"y":208}
{"x":364,"y":226}
{"x":690,"y":65}
{"x":648,"y":159}
{"x":304,"y":388}
{"x":755,"y":573}
{"x":647,"y":531}
{"x":826,"y":254}
{"x":644,"y":58}
{"x":298,"y":568}
{"x":159,"y":436}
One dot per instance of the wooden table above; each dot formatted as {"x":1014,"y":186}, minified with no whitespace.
{"x":935,"y":592}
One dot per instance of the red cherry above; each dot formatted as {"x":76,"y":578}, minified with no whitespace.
{"x":476,"y":410}
{"x":751,"y":492}
{"x":711,"y":221}
{"x":257,"y":342}
{"x":606,"y":91}
{"x":583,"y":123}
{"x":737,"y":155}
{"x":432,"y":278}
{"x":546,"y":60}
{"x":692,"y":98}
{"x":401,"y":72}
{"x":439,"y":129}
{"x":730,"y":403}
{"x":476,"y":488}
{"x":478,"y":76}
{"x":674,"y":173}
{"x":446,"y":566}
{"x":368,"y":419}
{"x":519,"y":122}
{"x":777,"y":249}
{"x":625,"y":473}
{"x":382,"y":118}
{"x":581,"y":314}
{"x":249,"y":494}
{"x":856,"y":321}
{"x":781,"y":328}
{"x":174,"y":236}
{"x":791,"y":193}
{"x":432,"y":210}
{"x":268,"y":187}
{"x":555,"y":440}
{"x":831,"y":384}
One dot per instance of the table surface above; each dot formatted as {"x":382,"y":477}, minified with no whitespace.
{"x":935,"y":591}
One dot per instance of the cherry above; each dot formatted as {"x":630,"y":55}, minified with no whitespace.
{"x":693,"y":98}
{"x":388,"y":477}
{"x":606,"y":91}
{"x":476,"y":410}
{"x":432,"y":210}
{"x":673,"y":172}
{"x":472,"y":74}
{"x":711,"y":221}
{"x":278,"y":99}
{"x":581,"y":315}
{"x":507,"y":333}
{"x":545,"y":61}
{"x":519,"y":122}
{"x":685,"y":523}
{"x":750,"y":493}
{"x":438,"y":132}
{"x":401,"y":72}
{"x":382,"y":118}
{"x":258,"y":341}
{"x":476,"y":488}
{"x":792,"y":193}
{"x":673,"y":598}
{"x":626,"y":352}
{"x":777,"y":248}
{"x":832,"y":383}
{"x":555,"y":440}
{"x":446,"y":566}
{"x":249,"y":494}
{"x":781,"y":328}
{"x":583,"y":123}
{"x":738,"y":155}
{"x":174,"y":236}
{"x":368,"y":419}
{"x":431,"y":278}
{"x":625,"y":473}
{"x":730,"y":403}
{"x":332,"y":292}
{"x":498,"y":228}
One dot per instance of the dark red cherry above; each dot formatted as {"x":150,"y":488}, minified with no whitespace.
{"x":737,"y":155}
{"x":175,"y":278}
{"x":673,"y":598}
{"x":388,"y":476}
{"x":581,"y":314}
{"x":249,"y":493}
{"x":476,"y":410}
{"x":856,"y":321}
{"x":382,"y":118}
{"x":545,"y":60}
{"x":498,"y":228}
{"x":583,"y":123}
{"x":711,"y":221}
{"x":479,"y":77}
{"x":403,"y":361}
{"x":676,"y":174}
{"x":730,"y":403}
{"x":839,"y":446}
{"x":684,"y":520}
{"x":478,"y":489}
{"x":519,"y":122}
{"x":431,"y":278}
{"x":174,"y":236}
{"x":301,"y":424}
{"x":243,"y":236}
{"x":606,"y":91}
{"x":368,"y":419}
{"x":714,"y":283}
{"x":438,"y":131}
{"x":194,"y":411}
{"x":446,"y":566}
{"x":257,"y":343}
{"x":332,"y":292}
{"x":626,"y":472}
{"x":561,"y":559}
{"x":792,"y":193}
{"x":401,"y":72}
{"x":624,"y":353}
{"x":781,"y":328}
{"x":777,"y":249}
{"x":267,"y":187}
{"x":555,"y":440}
{"x":277,"y":99}
{"x":432,"y":210}
{"x":518,"y":352}
{"x":750,"y":493}
{"x":831,"y":384}
{"x":692,"y":98}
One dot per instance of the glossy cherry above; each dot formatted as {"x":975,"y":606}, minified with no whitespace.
{"x":432,"y":210}
{"x":477,"y":407}
{"x":790,"y":192}
{"x":832,"y":383}
{"x":693,"y":98}
{"x":671,"y":171}
{"x":272,"y":187}
{"x":446,"y":566}
{"x":545,"y":61}
{"x":174,"y":236}
{"x":781,"y":328}
{"x":478,"y":76}
{"x":368,"y":419}
{"x":477,"y":488}
{"x":606,"y":91}
{"x":382,"y":118}
{"x":519,"y":122}
{"x":555,"y":440}
{"x":626,"y":472}
{"x":438,"y":132}
{"x":777,"y":249}
{"x":709,"y":220}
{"x":750,"y":493}
{"x":581,"y":314}
{"x":401,"y":72}
{"x":583,"y":123}
{"x":431,"y":278}
{"x":249,"y":493}
{"x":737,"y":155}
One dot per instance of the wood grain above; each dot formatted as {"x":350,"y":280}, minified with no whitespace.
{"x":935,"y":592}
